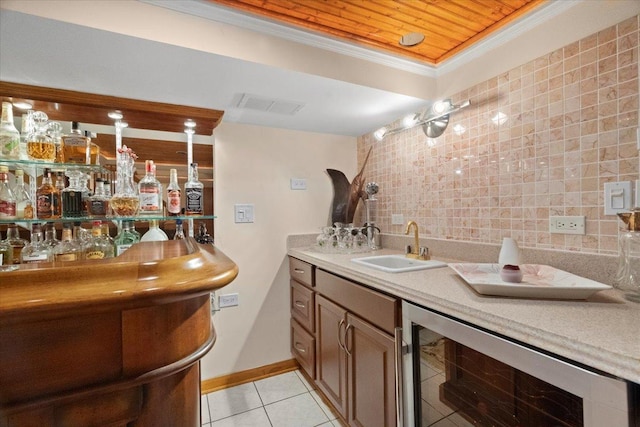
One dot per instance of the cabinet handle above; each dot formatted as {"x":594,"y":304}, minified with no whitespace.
{"x":346,"y":338}
{"x":297,"y":270}
{"x":300,"y":304}
{"x":301,"y":350}
{"x":399,"y":377}
{"x":340,"y":327}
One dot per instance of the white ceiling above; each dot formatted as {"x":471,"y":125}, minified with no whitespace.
{"x":47,"y":52}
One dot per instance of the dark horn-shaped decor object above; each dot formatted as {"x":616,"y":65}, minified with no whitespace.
{"x":346,"y":196}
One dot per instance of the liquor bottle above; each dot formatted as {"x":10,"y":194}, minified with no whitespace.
{"x":50,"y":238}
{"x":72,"y":203}
{"x":68,"y":249}
{"x":75,"y":145}
{"x":7,"y":199}
{"x":193,"y":190}
{"x":21,"y":194}
{"x":45,"y":197}
{"x":126,"y":238}
{"x":27,"y":128}
{"x":9,"y":135}
{"x":36,"y":250}
{"x":80,"y":235}
{"x":60,"y":185}
{"x":179,"y":231}
{"x":86,"y":193}
{"x":154,"y":234}
{"x":99,"y":202}
{"x":106,"y":236}
{"x":203,"y":235}
{"x":93,"y":151}
{"x":40,"y":146}
{"x":174,"y":194}
{"x":16,"y":242}
{"x":6,"y":257}
{"x":150,"y":191}
{"x":97,"y":247}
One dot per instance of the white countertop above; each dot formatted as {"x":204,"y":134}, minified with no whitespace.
{"x":602,"y":332}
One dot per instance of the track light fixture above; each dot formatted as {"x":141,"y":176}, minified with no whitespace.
{"x":433,"y":121}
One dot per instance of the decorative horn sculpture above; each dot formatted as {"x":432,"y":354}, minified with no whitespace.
{"x":346,"y":195}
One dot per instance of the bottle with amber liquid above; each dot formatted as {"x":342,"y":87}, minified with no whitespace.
{"x":75,"y":145}
{"x":68,"y":249}
{"x":46,"y":196}
{"x":97,"y":247}
{"x":15,"y":241}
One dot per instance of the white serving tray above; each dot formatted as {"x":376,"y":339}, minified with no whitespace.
{"x":538,"y":281}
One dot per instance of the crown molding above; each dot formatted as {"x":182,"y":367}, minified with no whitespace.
{"x":225,"y":15}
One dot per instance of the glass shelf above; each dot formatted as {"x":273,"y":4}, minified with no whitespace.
{"x":32,"y":164}
{"x":86,"y":219}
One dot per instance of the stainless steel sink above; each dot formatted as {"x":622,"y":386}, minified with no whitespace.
{"x":397,"y":263}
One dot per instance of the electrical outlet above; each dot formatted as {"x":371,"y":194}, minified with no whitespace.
{"x":567,"y":224}
{"x":228,"y":300}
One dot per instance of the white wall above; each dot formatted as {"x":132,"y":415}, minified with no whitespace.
{"x":254,"y":165}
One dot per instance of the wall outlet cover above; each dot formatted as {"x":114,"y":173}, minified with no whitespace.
{"x":298,"y":184}
{"x":567,"y":225}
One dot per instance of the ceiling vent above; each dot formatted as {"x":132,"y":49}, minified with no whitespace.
{"x":269,"y":105}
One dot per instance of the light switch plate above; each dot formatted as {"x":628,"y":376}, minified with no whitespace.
{"x":298,"y":184}
{"x":243,"y":213}
{"x":617,"y":197}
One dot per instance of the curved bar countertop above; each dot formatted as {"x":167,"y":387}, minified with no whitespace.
{"x":600,"y":332}
{"x":149,"y":272}
{"x":114,"y":342}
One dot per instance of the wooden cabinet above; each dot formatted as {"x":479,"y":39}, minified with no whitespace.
{"x":354,"y":345}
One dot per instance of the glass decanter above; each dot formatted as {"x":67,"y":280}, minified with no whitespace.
{"x":125,"y":201}
{"x":40,"y":146}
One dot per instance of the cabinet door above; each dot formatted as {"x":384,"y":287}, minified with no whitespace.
{"x":331,"y":361}
{"x":371,"y":375}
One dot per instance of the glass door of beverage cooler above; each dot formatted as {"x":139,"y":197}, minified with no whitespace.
{"x":457,"y":376}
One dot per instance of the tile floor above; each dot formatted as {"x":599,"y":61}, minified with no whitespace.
{"x":285,"y":400}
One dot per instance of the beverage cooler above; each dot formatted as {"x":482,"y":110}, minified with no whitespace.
{"x":452,"y":374}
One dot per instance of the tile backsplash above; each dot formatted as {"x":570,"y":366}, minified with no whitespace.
{"x":538,"y":140}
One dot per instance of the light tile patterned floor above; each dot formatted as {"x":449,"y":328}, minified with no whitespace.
{"x":286,"y":400}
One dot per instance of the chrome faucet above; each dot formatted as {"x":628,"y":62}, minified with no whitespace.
{"x":417,"y":252}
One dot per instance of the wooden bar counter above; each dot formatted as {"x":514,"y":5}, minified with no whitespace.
{"x":109,"y":343}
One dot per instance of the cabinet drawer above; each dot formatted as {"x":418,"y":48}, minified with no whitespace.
{"x":301,"y":271}
{"x":303,"y":305}
{"x":375,"y":307}
{"x":303,"y":347}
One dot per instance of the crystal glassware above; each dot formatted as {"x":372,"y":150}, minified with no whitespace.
{"x":125,"y":201}
{"x":40,"y":146}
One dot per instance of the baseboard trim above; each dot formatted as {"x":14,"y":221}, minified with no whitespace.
{"x":242,"y":377}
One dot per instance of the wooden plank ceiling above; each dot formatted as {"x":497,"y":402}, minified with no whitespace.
{"x":449,"y":26}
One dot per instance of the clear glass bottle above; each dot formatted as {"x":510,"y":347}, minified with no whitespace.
{"x":21,"y":194}
{"x":150,"y":191}
{"x":93,"y":151}
{"x":179,"y":235}
{"x":45,"y":197}
{"x":9,"y":135}
{"x":98,"y":247}
{"x":55,"y":132}
{"x":72,"y":203}
{"x":107,"y":236}
{"x":28,"y":127}
{"x":36,"y":250}
{"x":154,"y":234}
{"x":40,"y":146}
{"x":80,"y":235}
{"x":174,"y":194}
{"x":68,"y":249}
{"x":125,"y":200}
{"x":75,"y":145}
{"x":126,"y":238}
{"x":16,"y":242}
{"x":6,"y":257}
{"x":99,"y":202}
{"x":194,"y":192}
{"x":50,"y":237}
{"x":7,"y":199}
